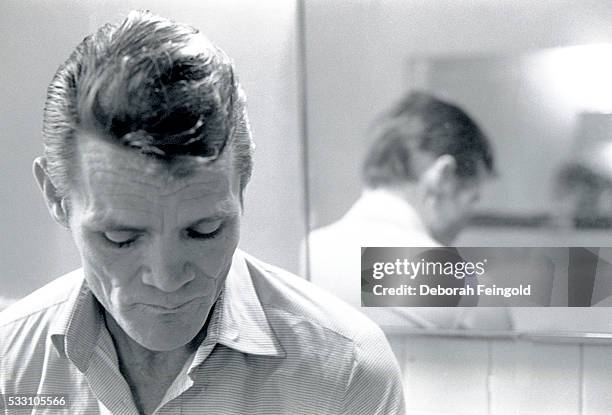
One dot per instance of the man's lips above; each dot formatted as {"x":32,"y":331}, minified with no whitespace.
{"x":169,"y":307}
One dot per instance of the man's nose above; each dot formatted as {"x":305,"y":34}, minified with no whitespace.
{"x":168,"y":273}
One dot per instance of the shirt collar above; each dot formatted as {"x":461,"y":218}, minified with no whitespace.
{"x":238,"y":321}
{"x":75,"y":331}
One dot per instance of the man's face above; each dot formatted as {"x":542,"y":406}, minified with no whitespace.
{"x":156,"y":249}
{"x":457,"y":208}
{"x":453,"y":206}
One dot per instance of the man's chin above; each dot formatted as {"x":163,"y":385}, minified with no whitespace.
{"x":161,"y":334}
{"x":448,"y":236}
{"x":163,"y":346}
{"x":163,"y":340}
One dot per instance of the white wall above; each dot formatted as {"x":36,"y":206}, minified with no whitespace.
{"x":36,"y":36}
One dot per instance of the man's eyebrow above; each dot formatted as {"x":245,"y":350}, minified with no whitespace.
{"x":220,"y":216}
{"x":112,"y":225}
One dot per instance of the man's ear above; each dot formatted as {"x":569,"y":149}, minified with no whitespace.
{"x":439,"y":179}
{"x":55,"y":203}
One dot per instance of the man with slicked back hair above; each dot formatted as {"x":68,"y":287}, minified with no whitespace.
{"x":422,"y":176}
{"x":147,"y":154}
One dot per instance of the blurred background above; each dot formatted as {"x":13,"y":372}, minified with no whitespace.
{"x":535,"y":75}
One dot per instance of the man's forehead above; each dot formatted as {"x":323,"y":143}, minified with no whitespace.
{"x":96,"y":155}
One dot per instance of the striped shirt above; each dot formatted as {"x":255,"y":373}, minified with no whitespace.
{"x":275,"y":344}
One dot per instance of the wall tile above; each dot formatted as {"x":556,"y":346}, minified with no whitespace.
{"x":534,"y":378}
{"x":443,"y":375}
{"x":597,"y":377}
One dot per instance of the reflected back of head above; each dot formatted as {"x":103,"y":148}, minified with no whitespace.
{"x":423,"y":124}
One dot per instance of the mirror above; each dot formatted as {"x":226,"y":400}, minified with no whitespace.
{"x":553,"y":105}
{"x":546,"y":106}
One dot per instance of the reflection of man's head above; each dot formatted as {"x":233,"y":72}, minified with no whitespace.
{"x":147,"y":154}
{"x":435,"y":155}
{"x":584,"y":193}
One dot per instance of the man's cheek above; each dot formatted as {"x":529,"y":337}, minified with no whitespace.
{"x":102,"y":255}
{"x":211,"y":262}
{"x":110,"y":284}
{"x":111,"y":270}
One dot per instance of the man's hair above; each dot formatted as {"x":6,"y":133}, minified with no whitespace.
{"x":423,"y":123}
{"x":149,"y":84}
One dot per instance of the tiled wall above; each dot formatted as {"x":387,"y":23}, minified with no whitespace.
{"x":460,"y":376}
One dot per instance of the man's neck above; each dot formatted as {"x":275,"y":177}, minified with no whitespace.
{"x":149,"y":373}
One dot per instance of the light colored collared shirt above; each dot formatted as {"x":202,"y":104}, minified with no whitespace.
{"x":275,"y":344}
{"x":381,"y":218}
{"x":377,"y":218}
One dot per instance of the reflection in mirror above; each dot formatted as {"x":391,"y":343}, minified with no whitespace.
{"x":548,"y":113}
{"x":547,"y":118}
